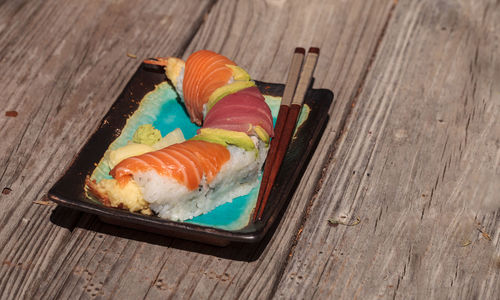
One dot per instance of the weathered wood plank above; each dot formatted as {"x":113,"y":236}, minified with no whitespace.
{"x":198,"y":271}
{"x":93,"y":261}
{"x":352,"y":32}
{"x":63,"y":64}
{"x":419,"y":164}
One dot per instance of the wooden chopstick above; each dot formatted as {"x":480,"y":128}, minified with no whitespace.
{"x":291,"y":121}
{"x":286,"y":101}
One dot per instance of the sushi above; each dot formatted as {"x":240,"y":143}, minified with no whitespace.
{"x":223,"y":161}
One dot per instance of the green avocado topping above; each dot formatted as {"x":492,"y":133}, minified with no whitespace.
{"x":239,"y":73}
{"x":262,"y":134}
{"x":226,"y":137}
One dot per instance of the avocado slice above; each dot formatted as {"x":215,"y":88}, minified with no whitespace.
{"x":226,"y":137}
{"x":239,"y":73}
{"x":262,"y":134}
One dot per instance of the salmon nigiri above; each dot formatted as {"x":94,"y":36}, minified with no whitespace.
{"x":180,"y":181}
{"x":242,"y":111}
{"x":186,"y":162}
{"x":205,"y":72}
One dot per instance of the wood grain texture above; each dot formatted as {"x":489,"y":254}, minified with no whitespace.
{"x":419,"y":164}
{"x":275,"y":28}
{"x":99,"y":260}
{"x":62,"y":66}
{"x":414,"y":119}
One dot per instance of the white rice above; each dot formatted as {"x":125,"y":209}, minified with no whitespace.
{"x":174,"y":201}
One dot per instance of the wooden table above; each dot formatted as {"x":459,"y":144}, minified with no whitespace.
{"x":412,"y":149}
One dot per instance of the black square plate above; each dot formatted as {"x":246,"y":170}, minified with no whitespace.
{"x":69,"y":190}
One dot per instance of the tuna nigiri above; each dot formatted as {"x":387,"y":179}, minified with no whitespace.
{"x":242,"y":111}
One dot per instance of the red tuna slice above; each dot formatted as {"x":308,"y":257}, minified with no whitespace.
{"x":242,"y":115}
{"x":240,"y":121}
{"x":240,"y":111}
{"x":241,"y":108}
{"x":251,"y":91}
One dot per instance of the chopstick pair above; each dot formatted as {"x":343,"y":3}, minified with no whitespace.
{"x":291,"y":104}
